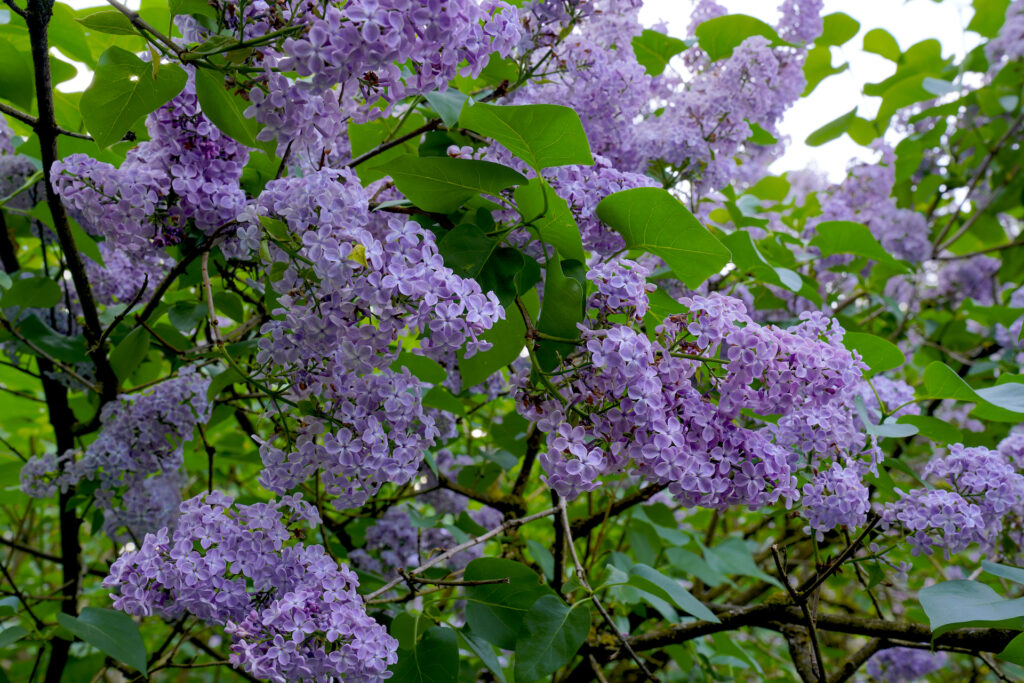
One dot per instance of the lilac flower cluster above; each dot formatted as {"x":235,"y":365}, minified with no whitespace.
{"x":981,"y":489}
{"x":644,"y":403}
{"x":904,"y":664}
{"x":349,"y":270}
{"x":137,"y":458}
{"x":1008,"y":46}
{"x":621,"y":287}
{"x":292,"y":611}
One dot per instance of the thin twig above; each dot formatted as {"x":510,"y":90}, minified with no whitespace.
{"x":433,"y":124}
{"x":33,"y":121}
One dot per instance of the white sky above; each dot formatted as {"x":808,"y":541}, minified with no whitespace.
{"x":909,"y":21}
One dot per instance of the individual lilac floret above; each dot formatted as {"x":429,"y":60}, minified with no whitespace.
{"x":904,"y":664}
{"x":292,"y":611}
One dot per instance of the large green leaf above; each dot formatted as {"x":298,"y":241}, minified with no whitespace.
{"x":128,"y":354}
{"x":551,"y":635}
{"x":123,"y":90}
{"x":32,"y":292}
{"x":879,"y":354}
{"x":109,"y":631}
{"x":423,"y":368}
{"x":59,"y":346}
{"x":959,"y":604}
{"x":653,"y":220}
{"x":495,"y":611}
{"x":485,"y":651}
{"x":1003,"y":400}
{"x":548,"y":215}
{"x":226,"y":110}
{"x":443,"y":184}
{"x":654,"y":49}
{"x":466,"y":248}
{"x":433,"y":658}
{"x":16,"y":81}
{"x":837,"y":28}
{"x":933,"y":428}
{"x":12,"y":635}
{"x":542,"y":135}
{"x":721,"y":35}
{"x":508,"y":337}
{"x":561,"y":311}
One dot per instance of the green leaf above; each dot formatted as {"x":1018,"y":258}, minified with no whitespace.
{"x":8,"y":605}
{"x":508,"y":337}
{"x":837,"y":29}
{"x":542,"y":135}
{"x":880,"y":42}
{"x":988,"y":18}
{"x":196,"y":7}
{"x":111,"y":632}
{"x":443,"y":184}
{"x":16,"y":81}
{"x":63,"y":348}
{"x":561,"y":312}
{"x":447,"y":104}
{"x":1015,"y":574}
{"x":832,"y":130}
{"x":818,"y":67}
{"x":933,"y":428}
{"x":483,"y":650}
{"x":423,"y":368}
{"x":651,"y":580}
{"x":748,"y":259}
{"x":32,"y":292}
{"x":720,"y":36}
{"x":653,"y":220}
{"x":12,"y":635}
{"x":1014,"y":651}
{"x":958,"y":604}
{"x":434,"y":658}
{"x":495,"y":611}
{"x":230,"y":304}
{"x":439,"y":397}
{"x":732,"y":557}
{"x":879,"y":354}
{"x":110,"y":21}
{"x":132,"y":350}
{"x":654,"y":49}
{"x":548,"y":215}
{"x":84,"y":242}
{"x":226,"y":110}
{"x":466,"y":249}
{"x":551,"y":635}
{"x":940,"y":381}
{"x":887,"y":428}
{"x":846,"y":237}
{"x":122,"y":91}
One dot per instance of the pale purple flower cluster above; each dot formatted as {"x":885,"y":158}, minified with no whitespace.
{"x":136,"y":458}
{"x":904,"y":664}
{"x":369,"y":426}
{"x":292,"y":611}
{"x":621,"y":287}
{"x":1008,"y":46}
{"x":642,"y":403}
{"x":980,"y":490}
{"x":970,"y":278}
{"x":801,"y":20}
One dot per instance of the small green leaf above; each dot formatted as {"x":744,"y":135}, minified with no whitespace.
{"x":447,"y":104}
{"x":12,"y":635}
{"x":720,"y":36}
{"x":542,"y":135}
{"x":230,"y":304}
{"x":837,"y":29}
{"x":226,"y":109}
{"x":423,"y":368}
{"x":32,"y":292}
{"x":483,"y":650}
{"x":495,"y":611}
{"x":110,"y":21}
{"x":880,"y":42}
{"x":818,"y":67}
{"x":548,"y":215}
{"x":887,"y":428}
{"x":654,"y":50}
{"x":551,"y":636}
{"x":122,"y":91}
{"x":434,"y":658}
{"x":132,"y":350}
{"x":653,"y":581}
{"x":443,"y":184}
{"x":1015,"y":574}
{"x":832,"y":130}
{"x":846,"y":237}
{"x":113,"y":633}
{"x":653,"y":220}
{"x":879,"y":354}
{"x":957,"y":604}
